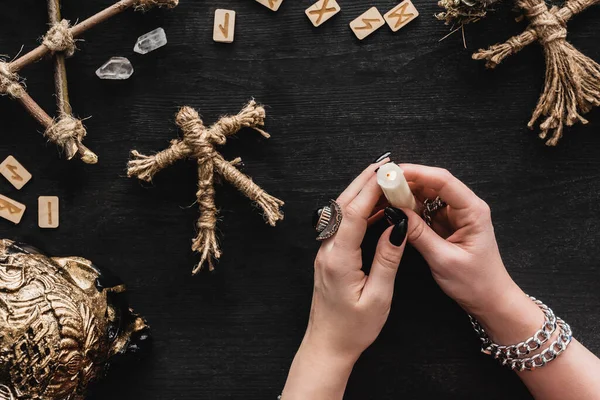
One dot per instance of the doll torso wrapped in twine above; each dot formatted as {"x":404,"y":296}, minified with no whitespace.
{"x":198,"y":143}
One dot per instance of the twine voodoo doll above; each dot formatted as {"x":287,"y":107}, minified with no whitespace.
{"x":198,"y":143}
{"x":572,"y":84}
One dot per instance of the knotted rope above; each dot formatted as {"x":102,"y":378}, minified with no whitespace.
{"x":60,"y":39}
{"x":9,"y":82}
{"x":67,"y":132}
{"x":145,"y":5}
{"x":198,"y":143}
{"x":572,"y":85}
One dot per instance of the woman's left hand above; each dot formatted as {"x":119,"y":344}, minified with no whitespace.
{"x":349,"y":308}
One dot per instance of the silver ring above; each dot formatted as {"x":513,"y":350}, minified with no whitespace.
{"x":327,"y":220}
{"x":430,"y":208}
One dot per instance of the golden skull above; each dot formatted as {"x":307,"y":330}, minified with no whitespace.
{"x":61,"y":321}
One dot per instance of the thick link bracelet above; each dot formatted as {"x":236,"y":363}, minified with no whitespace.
{"x":549,"y":354}
{"x":523,"y":348}
{"x":513,"y":355}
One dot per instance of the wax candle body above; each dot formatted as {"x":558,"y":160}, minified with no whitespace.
{"x":395,"y":187}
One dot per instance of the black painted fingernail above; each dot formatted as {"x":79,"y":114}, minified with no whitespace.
{"x":394,"y":215}
{"x":382,"y":157}
{"x":399,"y":233}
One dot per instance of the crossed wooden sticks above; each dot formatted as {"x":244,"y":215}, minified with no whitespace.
{"x":572,"y":84}
{"x":66,"y":131}
{"x":198,"y":143}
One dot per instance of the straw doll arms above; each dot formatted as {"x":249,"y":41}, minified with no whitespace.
{"x":198,"y":142}
{"x":498,"y":52}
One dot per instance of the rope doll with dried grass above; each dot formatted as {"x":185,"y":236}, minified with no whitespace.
{"x":199,"y":143}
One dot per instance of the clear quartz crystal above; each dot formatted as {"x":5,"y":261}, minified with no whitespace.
{"x":150,"y":41}
{"x":117,"y":68}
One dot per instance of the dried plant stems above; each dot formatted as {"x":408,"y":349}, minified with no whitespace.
{"x":60,"y":70}
{"x":70,"y":143}
{"x":79,"y":29}
{"x":199,"y":143}
{"x":572,"y":85}
{"x":66,"y":132}
{"x":462,"y":12}
{"x":35,"y":110}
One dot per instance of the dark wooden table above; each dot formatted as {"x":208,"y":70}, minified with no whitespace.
{"x":334,"y":104}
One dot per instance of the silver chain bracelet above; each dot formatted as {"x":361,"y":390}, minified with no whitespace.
{"x":512,"y":355}
{"x":523,"y":348}
{"x":549,"y":354}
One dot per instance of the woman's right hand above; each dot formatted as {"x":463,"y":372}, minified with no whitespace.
{"x":464,"y":259}
{"x":463,"y":255}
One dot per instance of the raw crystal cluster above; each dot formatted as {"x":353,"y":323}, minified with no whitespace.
{"x":120,"y":68}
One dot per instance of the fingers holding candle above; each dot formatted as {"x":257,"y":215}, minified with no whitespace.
{"x":455,"y":193}
{"x":360,"y":181}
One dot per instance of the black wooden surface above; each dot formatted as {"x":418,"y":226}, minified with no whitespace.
{"x":334,"y":104}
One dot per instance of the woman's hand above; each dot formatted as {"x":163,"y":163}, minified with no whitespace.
{"x":349,"y":308}
{"x":463,"y":255}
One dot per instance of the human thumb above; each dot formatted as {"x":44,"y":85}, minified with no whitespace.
{"x":424,"y":239}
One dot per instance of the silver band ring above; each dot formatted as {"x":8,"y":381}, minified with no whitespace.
{"x":327,"y":220}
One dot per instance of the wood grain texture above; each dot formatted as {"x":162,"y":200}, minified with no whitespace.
{"x":334,"y":104}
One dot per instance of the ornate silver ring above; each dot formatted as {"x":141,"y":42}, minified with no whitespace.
{"x":430,"y":208}
{"x":327,"y":220}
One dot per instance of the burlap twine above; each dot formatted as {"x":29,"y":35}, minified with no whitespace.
{"x":198,"y":143}
{"x":67,"y":132}
{"x":9,"y":82}
{"x":60,"y":39}
{"x":572,"y":85}
{"x":145,"y":5}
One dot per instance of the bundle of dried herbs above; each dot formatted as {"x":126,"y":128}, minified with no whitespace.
{"x":462,"y":12}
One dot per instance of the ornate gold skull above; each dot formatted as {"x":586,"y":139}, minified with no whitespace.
{"x":61,"y":320}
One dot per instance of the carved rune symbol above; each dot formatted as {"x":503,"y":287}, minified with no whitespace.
{"x":367,"y":23}
{"x":272,"y":3}
{"x":15,"y":175}
{"x":225,"y":29}
{"x":49,"y":213}
{"x":402,"y":17}
{"x":322,"y":11}
{"x":11,"y":208}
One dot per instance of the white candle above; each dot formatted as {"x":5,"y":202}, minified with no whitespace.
{"x":395,"y":187}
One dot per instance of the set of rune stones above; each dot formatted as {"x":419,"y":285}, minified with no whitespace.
{"x":320,"y":12}
{"x":12,"y":210}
